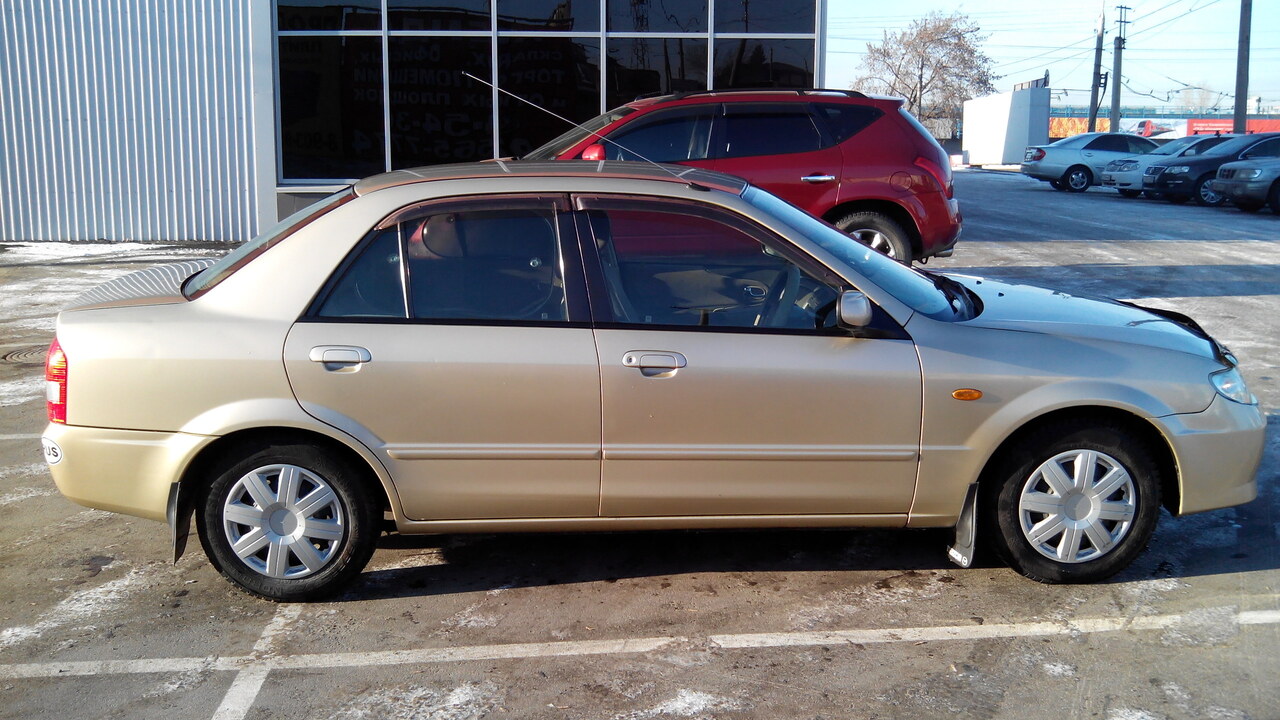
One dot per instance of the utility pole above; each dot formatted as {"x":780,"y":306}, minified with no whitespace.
{"x":1115,"y":70}
{"x":1242,"y":68}
{"x":1097,"y":72}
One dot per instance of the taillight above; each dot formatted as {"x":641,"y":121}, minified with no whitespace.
{"x":1037,"y":154}
{"x":940,"y":173}
{"x":55,"y":383}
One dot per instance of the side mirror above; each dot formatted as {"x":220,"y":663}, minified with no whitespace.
{"x":853,"y":311}
{"x":594,"y":151}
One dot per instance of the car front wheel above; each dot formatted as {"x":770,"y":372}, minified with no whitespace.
{"x":288,"y":523}
{"x":1075,"y":503}
{"x":1204,"y":193}
{"x":878,"y":232}
{"x":1077,"y":179}
{"x":1130,"y":193}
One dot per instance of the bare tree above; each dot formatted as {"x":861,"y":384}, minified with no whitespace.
{"x":935,"y":64}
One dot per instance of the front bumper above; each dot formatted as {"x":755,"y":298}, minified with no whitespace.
{"x":1169,"y":184}
{"x":1253,"y":191}
{"x":124,"y":471}
{"x":1122,"y":180}
{"x":1218,"y":452}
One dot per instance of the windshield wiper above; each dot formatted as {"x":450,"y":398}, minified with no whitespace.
{"x":958,"y":296}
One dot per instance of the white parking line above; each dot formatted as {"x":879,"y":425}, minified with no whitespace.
{"x":254,"y":668}
{"x":21,"y":436}
{"x":244,"y":689}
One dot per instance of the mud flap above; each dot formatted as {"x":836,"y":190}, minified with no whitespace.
{"x":179,"y":518}
{"x":960,"y":551}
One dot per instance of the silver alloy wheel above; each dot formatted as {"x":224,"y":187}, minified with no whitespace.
{"x":1207,"y":194}
{"x":283,"y":521}
{"x":1078,"y":179}
{"x":875,"y":240}
{"x":1077,"y":506}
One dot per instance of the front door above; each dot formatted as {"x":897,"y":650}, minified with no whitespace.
{"x":448,"y":344}
{"x":727,"y":389}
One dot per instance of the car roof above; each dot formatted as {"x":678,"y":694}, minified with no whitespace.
{"x":613,"y":169}
{"x":749,"y":94}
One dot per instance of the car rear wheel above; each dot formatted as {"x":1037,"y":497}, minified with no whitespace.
{"x":1204,"y":193}
{"x":1130,"y":193}
{"x":288,"y":523}
{"x":1077,"y":179}
{"x":878,"y":232}
{"x":1073,"y":503}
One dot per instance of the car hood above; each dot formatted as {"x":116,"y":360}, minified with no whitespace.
{"x":1030,"y":308}
{"x":159,"y":285}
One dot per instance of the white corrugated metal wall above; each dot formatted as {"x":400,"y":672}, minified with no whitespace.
{"x":131,"y":120}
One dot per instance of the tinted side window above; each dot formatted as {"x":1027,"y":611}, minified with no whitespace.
{"x":485,"y":265}
{"x":1266,"y":148}
{"x":668,"y":266}
{"x":845,"y":121}
{"x":1114,"y":143}
{"x":371,"y":287}
{"x":1200,"y":147}
{"x":673,"y":135}
{"x":769,"y":130}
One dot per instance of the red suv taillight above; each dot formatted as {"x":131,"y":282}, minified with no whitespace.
{"x":1036,"y":154}
{"x":939,"y":173}
{"x":55,"y":376}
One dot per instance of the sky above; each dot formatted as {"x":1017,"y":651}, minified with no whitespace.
{"x":1170,"y":44}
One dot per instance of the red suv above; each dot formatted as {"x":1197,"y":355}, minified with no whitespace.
{"x":860,"y":162}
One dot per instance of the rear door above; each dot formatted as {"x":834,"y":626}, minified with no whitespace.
{"x":454,"y":343}
{"x":782,"y":148}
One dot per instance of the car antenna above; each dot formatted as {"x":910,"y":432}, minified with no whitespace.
{"x":692,"y":185}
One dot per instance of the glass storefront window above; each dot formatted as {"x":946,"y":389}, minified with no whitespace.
{"x":331,"y":107}
{"x":557,"y":73}
{"x":438,"y":115}
{"x":438,"y":14}
{"x":649,"y":66}
{"x":658,"y":16}
{"x":763,"y":63}
{"x":548,"y":15}
{"x":294,"y":15}
{"x":745,"y":16}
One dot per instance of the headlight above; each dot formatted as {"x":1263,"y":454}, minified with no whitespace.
{"x":1230,"y":384}
{"x":1179,"y":169}
{"x":1249,"y":174}
{"x":1127,"y":167}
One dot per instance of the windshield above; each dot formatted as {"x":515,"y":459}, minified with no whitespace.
{"x":550,"y":150}
{"x":1173,"y":147}
{"x":920,"y":291}
{"x":202,"y":281}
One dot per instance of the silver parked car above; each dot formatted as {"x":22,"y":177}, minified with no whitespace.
{"x":577,"y":346}
{"x":1126,"y":175}
{"x":1075,"y":163}
{"x":1250,"y":184}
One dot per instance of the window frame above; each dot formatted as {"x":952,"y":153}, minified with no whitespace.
{"x":597,"y":282}
{"x":577,"y":304}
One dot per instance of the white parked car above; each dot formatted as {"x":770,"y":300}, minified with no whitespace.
{"x":1126,"y":175}
{"x":1075,"y":163}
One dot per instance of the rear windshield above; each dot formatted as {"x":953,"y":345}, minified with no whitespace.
{"x":204,"y":280}
{"x":550,"y":150}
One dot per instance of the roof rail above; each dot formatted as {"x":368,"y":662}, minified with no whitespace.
{"x":799,"y":91}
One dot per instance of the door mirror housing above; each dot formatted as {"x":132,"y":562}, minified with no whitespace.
{"x":594,"y":151}
{"x":853,"y":311}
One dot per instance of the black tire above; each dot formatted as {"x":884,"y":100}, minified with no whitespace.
{"x":1130,"y":193}
{"x":1153,"y":195}
{"x":1021,"y":474}
{"x":1249,"y":207}
{"x":1204,"y":193}
{"x":346,"y":525}
{"x":1056,"y":185}
{"x":880,"y":232}
{"x":1273,"y":198}
{"x":1077,"y":178}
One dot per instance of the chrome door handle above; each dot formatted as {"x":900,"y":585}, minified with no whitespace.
{"x":818,"y":178}
{"x":654,"y":363}
{"x":339,"y":355}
